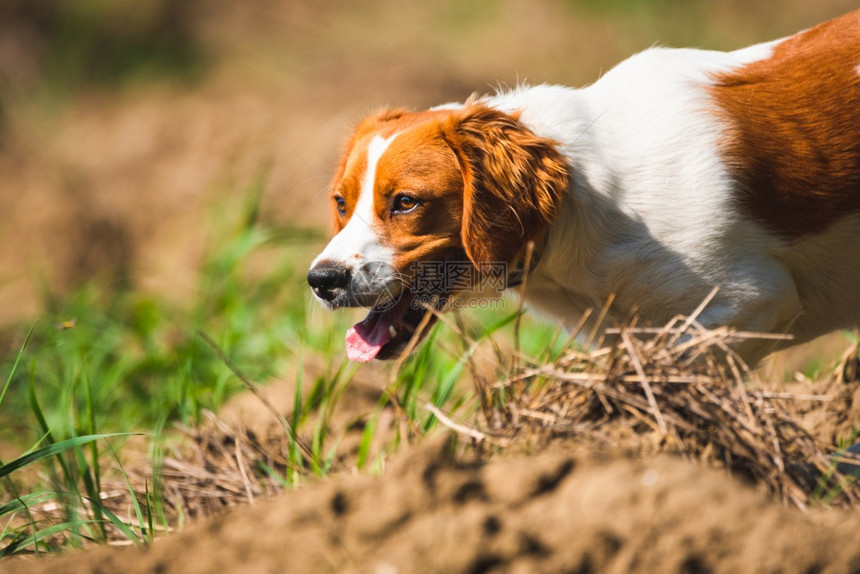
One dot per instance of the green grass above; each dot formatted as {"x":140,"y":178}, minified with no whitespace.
{"x":99,"y":364}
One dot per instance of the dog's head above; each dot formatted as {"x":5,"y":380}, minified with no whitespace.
{"x":428,"y":205}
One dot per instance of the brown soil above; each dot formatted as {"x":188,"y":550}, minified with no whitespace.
{"x":562,"y":510}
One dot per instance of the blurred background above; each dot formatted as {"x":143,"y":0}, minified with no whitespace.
{"x":122,"y":123}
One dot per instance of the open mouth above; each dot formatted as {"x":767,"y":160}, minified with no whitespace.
{"x":386,"y":332}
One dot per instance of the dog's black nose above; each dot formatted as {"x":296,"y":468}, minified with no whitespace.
{"x":329,"y":280}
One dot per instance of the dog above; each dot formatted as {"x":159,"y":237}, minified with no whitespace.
{"x":678,"y":171}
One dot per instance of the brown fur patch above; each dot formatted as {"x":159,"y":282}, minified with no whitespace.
{"x":420,"y":164}
{"x":794,"y":137}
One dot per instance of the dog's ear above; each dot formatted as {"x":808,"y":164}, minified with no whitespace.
{"x":514,"y":183}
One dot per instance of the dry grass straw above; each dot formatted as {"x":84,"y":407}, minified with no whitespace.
{"x":679,"y":389}
{"x":205,"y":471}
{"x":219,"y":466}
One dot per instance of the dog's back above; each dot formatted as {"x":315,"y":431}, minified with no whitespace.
{"x":695,"y":169}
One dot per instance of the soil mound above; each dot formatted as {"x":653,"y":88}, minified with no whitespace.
{"x":558,"y":511}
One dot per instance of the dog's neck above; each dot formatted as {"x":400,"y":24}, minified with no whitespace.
{"x":563,"y":259}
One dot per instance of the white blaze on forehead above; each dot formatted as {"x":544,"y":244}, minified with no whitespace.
{"x":358,"y":242}
{"x":364,"y":206}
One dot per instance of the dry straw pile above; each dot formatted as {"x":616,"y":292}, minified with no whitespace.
{"x":678,"y":389}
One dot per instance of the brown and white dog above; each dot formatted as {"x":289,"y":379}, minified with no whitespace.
{"x":678,"y":171}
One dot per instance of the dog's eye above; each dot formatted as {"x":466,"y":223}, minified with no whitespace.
{"x":404,"y":203}
{"x":341,"y":205}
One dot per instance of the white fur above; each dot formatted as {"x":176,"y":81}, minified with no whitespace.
{"x":652,"y":219}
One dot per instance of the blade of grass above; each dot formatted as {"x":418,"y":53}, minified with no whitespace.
{"x":273,"y":474}
{"x":144,"y":526}
{"x":149,"y":513}
{"x":54,"y":449}
{"x":127,"y":530}
{"x":36,"y":409}
{"x":87,"y":474}
{"x":91,"y":473}
{"x":24,"y":501}
{"x":34,"y":539}
{"x":295,"y":456}
{"x":14,"y":368}
{"x":157,"y":455}
{"x":367,"y":436}
{"x":331,"y":395}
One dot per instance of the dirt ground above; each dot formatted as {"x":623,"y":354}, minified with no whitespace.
{"x":561,"y":510}
{"x":120,"y":180}
{"x":565,"y":506}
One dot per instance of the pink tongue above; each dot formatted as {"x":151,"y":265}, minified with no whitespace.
{"x":365,"y":339}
